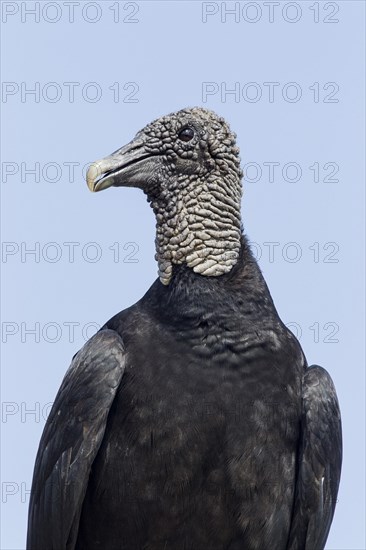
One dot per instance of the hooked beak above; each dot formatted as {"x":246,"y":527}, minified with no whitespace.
{"x":125,"y":166}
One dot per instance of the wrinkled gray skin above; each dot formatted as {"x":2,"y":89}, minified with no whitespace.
{"x":191,"y":420}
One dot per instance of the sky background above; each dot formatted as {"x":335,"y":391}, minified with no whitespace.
{"x":99,"y":72}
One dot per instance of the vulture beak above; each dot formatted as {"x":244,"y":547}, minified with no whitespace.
{"x":124,"y":167}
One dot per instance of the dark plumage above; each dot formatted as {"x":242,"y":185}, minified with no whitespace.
{"x":191,"y":420}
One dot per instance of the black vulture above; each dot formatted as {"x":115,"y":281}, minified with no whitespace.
{"x":191,"y":420}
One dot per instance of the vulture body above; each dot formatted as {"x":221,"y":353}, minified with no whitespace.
{"x":191,"y":420}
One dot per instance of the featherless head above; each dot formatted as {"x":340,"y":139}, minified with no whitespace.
{"x":188,"y":165}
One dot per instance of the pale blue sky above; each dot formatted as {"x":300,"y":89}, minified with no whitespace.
{"x":311,"y":211}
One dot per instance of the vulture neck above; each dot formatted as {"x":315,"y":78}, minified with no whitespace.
{"x":191,"y":297}
{"x":198,"y":224}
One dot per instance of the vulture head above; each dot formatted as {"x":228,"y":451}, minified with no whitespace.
{"x":188,"y":165}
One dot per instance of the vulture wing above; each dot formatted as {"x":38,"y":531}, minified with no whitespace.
{"x":319,"y":465}
{"x":71,"y":438}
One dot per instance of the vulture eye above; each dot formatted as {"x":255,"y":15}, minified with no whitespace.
{"x":186,"y":134}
